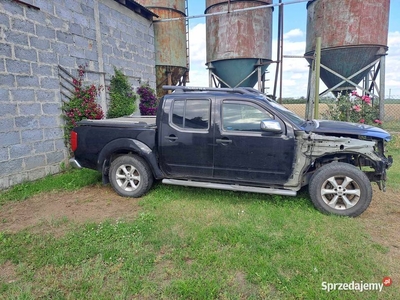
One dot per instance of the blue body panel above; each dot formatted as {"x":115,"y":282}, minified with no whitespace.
{"x":336,"y":127}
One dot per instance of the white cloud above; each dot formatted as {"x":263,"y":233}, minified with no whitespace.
{"x":198,"y":77}
{"x":293,"y":33}
{"x":295,"y":70}
{"x":394,"y":40}
{"x":393,"y":65}
{"x":197,"y":44}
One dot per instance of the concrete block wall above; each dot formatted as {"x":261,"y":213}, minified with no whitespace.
{"x":34,"y":41}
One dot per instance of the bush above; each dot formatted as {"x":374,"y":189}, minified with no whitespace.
{"x":122,"y":96}
{"x":148,"y":100}
{"x":82,"y":105}
{"x":354,"y":108}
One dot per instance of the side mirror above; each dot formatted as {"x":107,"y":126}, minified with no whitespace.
{"x":271,"y":126}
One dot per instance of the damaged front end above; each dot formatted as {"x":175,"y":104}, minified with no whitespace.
{"x":380,"y":167}
{"x":316,"y":150}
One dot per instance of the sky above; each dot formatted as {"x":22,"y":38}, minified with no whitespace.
{"x":295,"y":70}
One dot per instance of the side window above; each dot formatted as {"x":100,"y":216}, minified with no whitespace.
{"x":191,"y":114}
{"x":242,"y":117}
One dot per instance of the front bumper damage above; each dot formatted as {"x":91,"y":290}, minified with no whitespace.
{"x":314,"y":148}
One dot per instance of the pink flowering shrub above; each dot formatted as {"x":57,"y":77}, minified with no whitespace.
{"x":82,"y":105}
{"x":354,"y":108}
{"x":148,"y":100}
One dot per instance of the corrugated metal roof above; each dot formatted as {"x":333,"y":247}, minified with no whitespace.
{"x":137,"y":8}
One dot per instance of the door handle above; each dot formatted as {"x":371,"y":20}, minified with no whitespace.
{"x":171,"y":137}
{"x":223,"y":141}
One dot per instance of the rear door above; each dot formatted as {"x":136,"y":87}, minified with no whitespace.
{"x":186,"y":138}
{"x":245,"y":153}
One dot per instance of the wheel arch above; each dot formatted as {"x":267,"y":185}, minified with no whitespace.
{"x":124,"y":146}
{"x":353,"y":158}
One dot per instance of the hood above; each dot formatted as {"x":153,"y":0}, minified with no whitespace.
{"x":336,"y":127}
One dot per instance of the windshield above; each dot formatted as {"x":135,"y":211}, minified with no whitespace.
{"x":287,"y":113}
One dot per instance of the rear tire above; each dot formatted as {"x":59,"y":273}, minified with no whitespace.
{"x":130,"y":176}
{"x":340,"y":189}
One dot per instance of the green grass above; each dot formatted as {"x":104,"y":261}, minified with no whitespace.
{"x":71,"y":179}
{"x":192,"y":243}
{"x":393,"y":126}
{"x":394,"y":172}
{"x":189,"y":243}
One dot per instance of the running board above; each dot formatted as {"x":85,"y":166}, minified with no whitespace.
{"x":230,"y":187}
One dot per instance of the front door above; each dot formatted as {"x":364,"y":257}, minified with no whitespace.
{"x":245,"y":153}
{"x":186,"y":138}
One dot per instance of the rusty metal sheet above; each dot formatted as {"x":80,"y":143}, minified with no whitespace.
{"x":237,"y":42}
{"x":353,"y":34}
{"x":245,"y":34}
{"x":168,"y":75}
{"x":347,"y":22}
{"x":226,"y":2}
{"x":170,"y":42}
{"x":170,"y":37}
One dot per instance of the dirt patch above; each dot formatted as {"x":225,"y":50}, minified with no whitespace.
{"x":382,"y":222}
{"x":51,"y":211}
{"x":8,"y":273}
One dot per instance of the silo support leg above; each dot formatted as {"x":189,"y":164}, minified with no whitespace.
{"x":348,"y":78}
{"x":382,"y":88}
{"x":210,"y":76}
{"x":312,"y":108}
{"x":220,"y":80}
{"x":307,"y":114}
{"x":317,"y":71}
{"x":247,"y":77}
{"x":169,"y":78}
{"x":311,"y":97}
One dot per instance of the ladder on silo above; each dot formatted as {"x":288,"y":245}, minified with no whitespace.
{"x":186,"y":76}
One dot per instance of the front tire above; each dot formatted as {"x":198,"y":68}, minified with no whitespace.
{"x":340,"y":189}
{"x":130,"y":176}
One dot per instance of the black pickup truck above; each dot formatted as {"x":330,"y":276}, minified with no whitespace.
{"x":236,"y":139}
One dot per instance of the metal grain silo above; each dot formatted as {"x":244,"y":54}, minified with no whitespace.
{"x":353,"y":35}
{"x":238,"y":43}
{"x":171,"y":46}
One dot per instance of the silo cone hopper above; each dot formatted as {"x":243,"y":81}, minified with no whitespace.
{"x":353,"y":35}
{"x":239,"y":43}
{"x":346,"y":61}
{"x":238,"y":72}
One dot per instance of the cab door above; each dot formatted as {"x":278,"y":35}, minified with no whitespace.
{"x":186,"y":138}
{"x":245,"y":153}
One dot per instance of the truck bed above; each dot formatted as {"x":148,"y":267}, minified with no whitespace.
{"x":146,"y":121}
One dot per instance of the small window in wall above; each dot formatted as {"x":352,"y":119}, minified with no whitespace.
{"x":243,"y":117}
{"x":191,"y":114}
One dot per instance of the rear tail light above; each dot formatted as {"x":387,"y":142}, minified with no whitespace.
{"x":74,"y":141}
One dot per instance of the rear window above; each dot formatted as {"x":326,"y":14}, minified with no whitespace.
{"x":191,"y":114}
